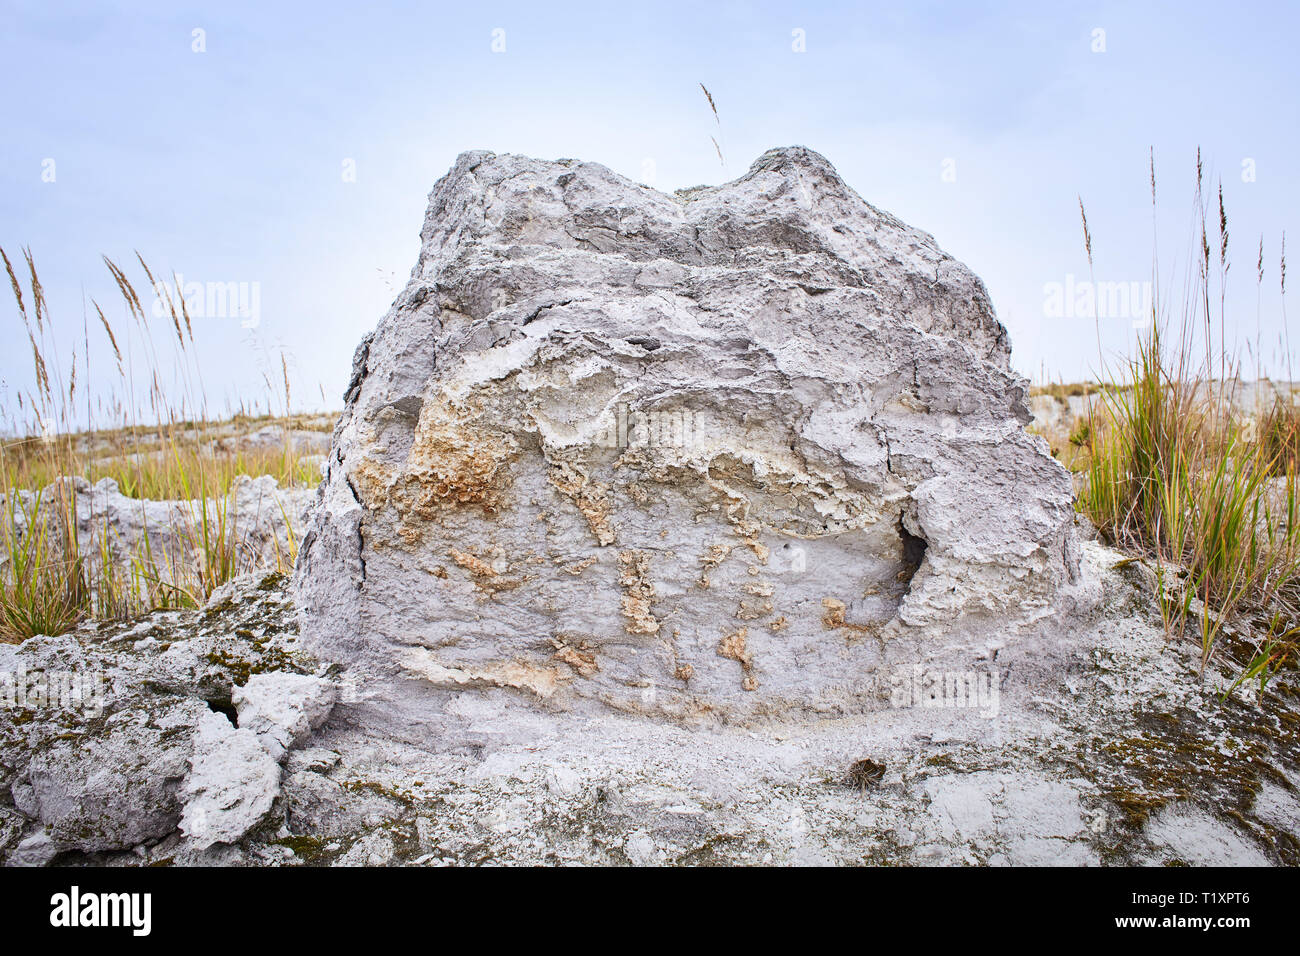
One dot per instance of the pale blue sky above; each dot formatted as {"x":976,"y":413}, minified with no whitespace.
{"x":226,"y":165}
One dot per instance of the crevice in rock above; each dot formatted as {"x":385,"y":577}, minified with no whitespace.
{"x":225,"y":707}
{"x":361,"y":534}
{"x":304,"y":550}
{"x":361,"y":552}
{"x":360,"y":369}
{"x":913,"y":554}
{"x":533,"y":316}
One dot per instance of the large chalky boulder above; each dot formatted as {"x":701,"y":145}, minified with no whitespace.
{"x":730,"y":452}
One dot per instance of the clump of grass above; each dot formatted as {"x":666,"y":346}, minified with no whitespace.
{"x":153,"y":444}
{"x":1278,"y":433}
{"x":1172,"y":472}
{"x":44,"y":589}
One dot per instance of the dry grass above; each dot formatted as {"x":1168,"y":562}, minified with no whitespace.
{"x":1062,"y":391}
{"x":717,"y":119}
{"x":1172,"y":474}
{"x":1175,"y":473}
{"x":45,"y":586}
{"x":153,"y":444}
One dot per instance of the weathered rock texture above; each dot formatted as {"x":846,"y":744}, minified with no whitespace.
{"x":614,"y":456}
{"x":1103,"y":747}
{"x":719,"y":453}
{"x":116,"y":736}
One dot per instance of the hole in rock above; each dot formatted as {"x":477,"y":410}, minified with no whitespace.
{"x":227,"y":708}
{"x":913,"y":553}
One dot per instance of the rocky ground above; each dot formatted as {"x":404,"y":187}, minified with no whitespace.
{"x":1105,"y":748}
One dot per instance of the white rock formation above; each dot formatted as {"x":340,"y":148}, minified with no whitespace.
{"x":121,"y":735}
{"x":282,"y":709}
{"x":718,"y":454}
{"x":231,"y":786}
{"x":263,"y":518}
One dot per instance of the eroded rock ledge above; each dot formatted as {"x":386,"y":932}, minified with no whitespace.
{"x":119,"y":736}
